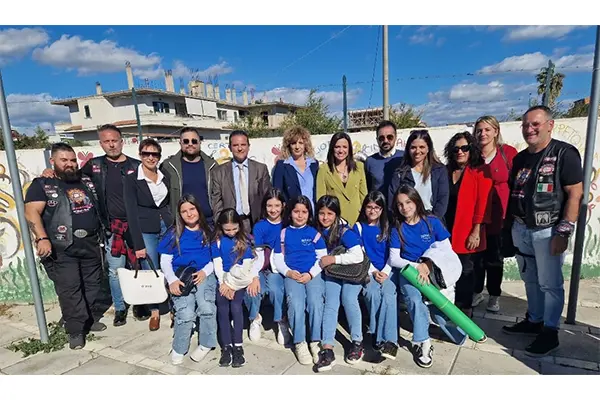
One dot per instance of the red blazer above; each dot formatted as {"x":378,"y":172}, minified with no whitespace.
{"x":472,"y":207}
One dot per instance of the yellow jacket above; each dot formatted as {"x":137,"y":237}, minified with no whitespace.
{"x":351,"y":196}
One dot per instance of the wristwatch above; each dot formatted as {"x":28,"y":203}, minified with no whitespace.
{"x":40,"y":239}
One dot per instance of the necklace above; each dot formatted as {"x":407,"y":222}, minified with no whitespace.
{"x":343,"y":174}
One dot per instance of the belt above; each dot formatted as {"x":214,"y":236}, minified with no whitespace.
{"x":81,"y":233}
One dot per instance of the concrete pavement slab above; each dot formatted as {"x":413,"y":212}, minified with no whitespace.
{"x":106,"y":366}
{"x":339,"y":369}
{"x":55,"y":363}
{"x":473,"y":362}
{"x":443,"y":354}
{"x":9,"y":357}
{"x":8,"y":334}
{"x":211,"y":359}
{"x":553,"y":369}
{"x":151,"y":344}
{"x":259,"y":361}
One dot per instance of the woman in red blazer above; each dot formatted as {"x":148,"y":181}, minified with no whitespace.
{"x":468,"y":210}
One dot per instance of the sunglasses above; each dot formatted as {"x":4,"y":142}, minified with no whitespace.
{"x":466,"y":148}
{"x":150,"y":154}
{"x":187,"y":141}
{"x":389,"y":138}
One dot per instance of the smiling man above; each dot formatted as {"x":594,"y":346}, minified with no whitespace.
{"x":380,"y":166}
{"x":545,"y":194}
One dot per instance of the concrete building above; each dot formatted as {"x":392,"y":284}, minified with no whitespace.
{"x":367,"y":119}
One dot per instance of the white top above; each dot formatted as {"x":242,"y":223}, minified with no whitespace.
{"x":424,"y":189}
{"x":158,"y":190}
{"x":491,"y":157}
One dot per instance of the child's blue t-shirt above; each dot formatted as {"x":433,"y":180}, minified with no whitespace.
{"x":300,"y":248}
{"x":349,"y":238}
{"x":418,"y":238}
{"x":376,"y":251}
{"x":193,"y":252}
{"x":266,"y":233}
{"x":228,"y":254}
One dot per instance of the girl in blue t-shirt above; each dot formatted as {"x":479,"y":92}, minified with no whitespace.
{"x":336,"y":233}
{"x":380,"y":292}
{"x":418,"y":239}
{"x":296,"y":257}
{"x":187,"y":244}
{"x":231,"y":248}
{"x":267,"y":232}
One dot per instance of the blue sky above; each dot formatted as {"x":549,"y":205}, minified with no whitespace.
{"x":430,"y":66}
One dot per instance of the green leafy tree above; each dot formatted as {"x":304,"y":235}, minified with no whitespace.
{"x":556,"y":85}
{"x":405,"y":116}
{"x":39,"y":140}
{"x":578,"y":110}
{"x":314,"y":116}
{"x":255,"y":126}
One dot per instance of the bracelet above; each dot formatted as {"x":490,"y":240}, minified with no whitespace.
{"x":565,"y":228}
{"x":40,"y":239}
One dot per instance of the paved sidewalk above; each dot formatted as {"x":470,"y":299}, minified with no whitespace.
{"x":133,"y":350}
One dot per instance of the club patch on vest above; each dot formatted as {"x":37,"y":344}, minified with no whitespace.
{"x":542,"y":218}
{"x":547,"y":169}
{"x":51,"y":203}
{"x":522,"y":176}
{"x":545,"y":188}
{"x":131,"y":171}
{"x":95,"y":168}
{"x":60,"y":237}
{"x":61,"y":229}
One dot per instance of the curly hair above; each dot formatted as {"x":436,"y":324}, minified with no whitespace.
{"x":475,"y":157}
{"x":291,"y":135}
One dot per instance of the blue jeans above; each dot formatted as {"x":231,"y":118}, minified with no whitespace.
{"x":115,"y":263}
{"x":151,"y":241}
{"x":300,"y":298}
{"x":541,"y":273}
{"x":272,"y":284}
{"x":200,"y":303}
{"x":382,"y":307}
{"x":349,"y":294}
{"x":419,"y":314}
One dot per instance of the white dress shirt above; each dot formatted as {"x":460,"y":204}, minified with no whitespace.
{"x":158,"y":190}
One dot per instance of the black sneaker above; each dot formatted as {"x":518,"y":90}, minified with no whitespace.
{"x":326,"y":360}
{"x":544,"y":344}
{"x":225,"y":360}
{"x":524,"y":328}
{"x":120,"y":318}
{"x":389,"y":350}
{"x":355,"y":354}
{"x":238,"y":357}
{"x":141,"y":313}
{"x":377,"y":346}
{"x":76,"y":341}
{"x":97,"y":327}
{"x":424,"y":354}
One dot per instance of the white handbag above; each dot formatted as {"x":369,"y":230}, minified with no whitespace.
{"x":141,"y":286}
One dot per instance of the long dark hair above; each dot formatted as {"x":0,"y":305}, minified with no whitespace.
{"x":305,"y":201}
{"x":421,"y":212}
{"x":378,"y":198}
{"x":431,"y":158}
{"x":242,"y":239}
{"x":273,"y":193}
{"x":331,"y":156}
{"x":475,"y":157}
{"x":332,"y":239}
{"x":180,"y":224}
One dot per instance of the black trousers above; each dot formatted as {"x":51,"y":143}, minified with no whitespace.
{"x":489,"y":261}
{"x":77,"y":282}
{"x":466,"y":283}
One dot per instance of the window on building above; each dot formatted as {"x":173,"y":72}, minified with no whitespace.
{"x":160,"y":107}
{"x":222,"y":115}
{"x":265,"y":117}
{"x":88,"y":114}
{"x":181,"y":109}
{"x":235,"y":116}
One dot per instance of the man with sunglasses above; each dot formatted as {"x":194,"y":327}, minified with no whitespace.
{"x":189,"y":172}
{"x":380,"y":167}
{"x":545,"y":194}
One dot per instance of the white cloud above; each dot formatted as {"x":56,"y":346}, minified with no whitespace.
{"x":525,"y":87}
{"x":183,"y":71}
{"x":89,"y":57}
{"x":581,"y":61}
{"x":16,"y":43}
{"x":421,"y":38}
{"x":586,"y":49}
{"x":477,"y":92}
{"x":299,"y":96}
{"x":529,"y":61}
{"x":539,"y":32}
{"x":26,"y":111}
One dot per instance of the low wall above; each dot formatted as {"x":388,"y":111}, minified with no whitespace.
{"x":14,"y":282}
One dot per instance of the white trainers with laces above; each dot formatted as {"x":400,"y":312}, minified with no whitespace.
{"x":176,"y":358}
{"x":477,"y":299}
{"x":302,"y":353}
{"x":493,"y":304}
{"x":254,"y":330}
{"x":315,"y":347}
{"x":199,"y":353}
{"x":424,"y":353}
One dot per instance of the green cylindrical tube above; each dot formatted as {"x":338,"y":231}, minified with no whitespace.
{"x":445,"y":305}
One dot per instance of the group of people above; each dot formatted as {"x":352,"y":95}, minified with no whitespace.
{"x":244,"y":236}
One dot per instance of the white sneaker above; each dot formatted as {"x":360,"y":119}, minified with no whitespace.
{"x":254,"y":330}
{"x":283,"y":333}
{"x":424,"y":353}
{"x":200,"y":353}
{"x":302,"y":353}
{"x":315,"y":347}
{"x":176,"y":358}
{"x":493,"y":304}
{"x":477,"y":299}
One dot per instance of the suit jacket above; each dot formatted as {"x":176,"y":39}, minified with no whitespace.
{"x":285,"y":178}
{"x":222,"y":189}
{"x":350,"y":196}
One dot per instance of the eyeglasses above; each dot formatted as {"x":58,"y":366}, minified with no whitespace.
{"x":187,"y":141}
{"x":534,"y":125}
{"x":382,"y":138}
{"x":150,"y":154}
{"x":374,"y":208}
{"x":465,"y":148}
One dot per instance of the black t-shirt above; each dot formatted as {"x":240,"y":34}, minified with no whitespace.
{"x":114,"y":190}
{"x":453,"y":189}
{"x":571,"y":173}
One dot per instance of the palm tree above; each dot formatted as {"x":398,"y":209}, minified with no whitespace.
{"x":556,"y":85}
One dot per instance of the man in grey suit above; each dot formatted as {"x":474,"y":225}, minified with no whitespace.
{"x":240,"y":183}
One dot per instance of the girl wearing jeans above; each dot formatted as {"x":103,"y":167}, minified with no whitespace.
{"x":337,"y":233}
{"x":188,"y":244}
{"x":231,"y":247}
{"x":296,"y":257}
{"x":422,"y":241}
{"x":267,"y":232}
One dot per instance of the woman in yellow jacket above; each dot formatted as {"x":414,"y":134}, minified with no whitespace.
{"x":343,"y":177}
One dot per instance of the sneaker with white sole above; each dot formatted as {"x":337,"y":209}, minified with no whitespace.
{"x":315,"y":348}
{"x":477,"y":299}
{"x":283,"y":333}
{"x":254,"y":330}
{"x":200,"y":353}
{"x":423,"y":353}
{"x":176,"y":358}
{"x":493,"y":304}
{"x":302,"y":353}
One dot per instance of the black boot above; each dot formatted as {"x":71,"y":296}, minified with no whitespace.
{"x":524,"y":328}
{"x":544,"y":344}
{"x":225,"y":360}
{"x":120,"y":318}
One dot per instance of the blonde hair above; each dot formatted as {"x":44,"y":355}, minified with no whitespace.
{"x":493,"y":122}
{"x":291,"y":135}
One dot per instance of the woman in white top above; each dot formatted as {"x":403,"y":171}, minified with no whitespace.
{"x":146,"y":197}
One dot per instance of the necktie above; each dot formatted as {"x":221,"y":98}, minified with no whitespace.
{"x":243,"y":191}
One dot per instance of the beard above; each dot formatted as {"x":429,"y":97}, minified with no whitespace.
{"x":69,"y":176}
{"x":190,"y":156}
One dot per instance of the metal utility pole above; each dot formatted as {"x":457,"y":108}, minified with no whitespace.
{"x":345,"y":104}
{"x":137,"y":114}
{"x":587,"y":176}
{"x":13,"y":169}
{"x":386,"y":76}
{"x":548,"y":84}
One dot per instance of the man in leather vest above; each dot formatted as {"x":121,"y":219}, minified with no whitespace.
{"x":545,"y":194}
{"x":63,"y":214}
